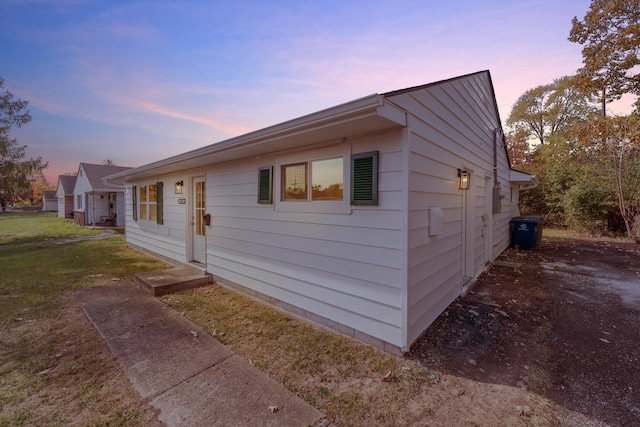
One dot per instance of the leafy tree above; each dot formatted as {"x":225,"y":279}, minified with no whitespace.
{"x":558,"y":165}
{"x":587,"y":205}
{"x":549,"y":110}
{"x":610,"y":33}
{"x":546,"y":114}
{"x":34,"y":194}
{"x":613,"y":145}
{"x":15,"y":171}
{"x":518,"y":147}
{"x":109,"y":162}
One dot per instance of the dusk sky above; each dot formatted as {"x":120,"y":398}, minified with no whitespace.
{"x":139,"y":81}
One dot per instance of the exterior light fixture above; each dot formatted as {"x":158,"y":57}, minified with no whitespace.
{"x":178,"y":187}
{"x":463,"y":179}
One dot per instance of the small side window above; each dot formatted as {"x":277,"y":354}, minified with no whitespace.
{"x":364,"y":178}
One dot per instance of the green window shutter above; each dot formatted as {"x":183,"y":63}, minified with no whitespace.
{"x":159,"y":202}
{"x":364,"y":178}
{"x":134,"y":202}
{"x":265,"y":185}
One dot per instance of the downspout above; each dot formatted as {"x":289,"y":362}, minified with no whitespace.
{"x":495,"y":202}
{"x":534,"y":184}
{"x":495,"y":156}
{"x":93,"y":209}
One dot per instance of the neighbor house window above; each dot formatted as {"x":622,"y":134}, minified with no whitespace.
{"x":317,"y":180}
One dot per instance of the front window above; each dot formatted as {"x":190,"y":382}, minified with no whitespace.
{"x":294,"y":182}
{"x":326,"y":179}
{"x":325,"y":176}
{"x":148,"y":202}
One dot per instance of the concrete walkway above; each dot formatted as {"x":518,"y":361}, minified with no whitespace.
{"x":185,"y":373}
{"x":103,"y":235}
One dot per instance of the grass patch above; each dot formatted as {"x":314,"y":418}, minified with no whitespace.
{"x":340,"y":376}
{"x":29,"y":227}
{"x":55,"y":369}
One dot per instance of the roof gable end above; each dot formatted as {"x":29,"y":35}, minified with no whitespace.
{"x":95,"y":173}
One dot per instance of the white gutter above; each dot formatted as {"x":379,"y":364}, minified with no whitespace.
{"x":372,"y":106}
{"x":528,"y":181}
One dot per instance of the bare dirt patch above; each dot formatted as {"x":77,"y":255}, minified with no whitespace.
{"x":561,"y":322}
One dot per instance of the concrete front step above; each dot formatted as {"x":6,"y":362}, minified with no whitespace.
{"x":172,"y":280}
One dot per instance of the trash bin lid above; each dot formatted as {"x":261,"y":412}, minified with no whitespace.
{"x":529,"y":218}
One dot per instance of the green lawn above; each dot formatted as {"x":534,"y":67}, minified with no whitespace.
{"x":29,"y":227}
{"x":55,"y":370}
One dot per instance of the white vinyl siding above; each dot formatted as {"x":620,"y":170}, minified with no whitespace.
{"x":451,"y":127}
{"x":347,"y":268}
{"x":62,"y":208}
{"x":167,"y":239}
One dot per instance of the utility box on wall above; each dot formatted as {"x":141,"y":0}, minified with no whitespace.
{"x":436,"y":220}
{"x":497,"y":199}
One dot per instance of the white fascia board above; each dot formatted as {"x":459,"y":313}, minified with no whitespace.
{"x":119,"y":189}
{"x":370,"y":112}
{"x":521,"y":178}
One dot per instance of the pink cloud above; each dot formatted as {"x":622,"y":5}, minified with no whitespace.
{"x":155,"y":108}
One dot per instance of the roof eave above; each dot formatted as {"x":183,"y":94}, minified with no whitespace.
{"x":524,"y":179}
{"x":368,"y":114}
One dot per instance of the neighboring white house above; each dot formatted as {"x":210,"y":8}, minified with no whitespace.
{"x":49,"y":201}
{"x":64,"y":192}
{"x":93,"y":198}
{"x":353,"y":216}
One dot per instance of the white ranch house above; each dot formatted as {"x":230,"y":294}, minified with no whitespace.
{"x":352,"y":217}
{"x":94,"y":199}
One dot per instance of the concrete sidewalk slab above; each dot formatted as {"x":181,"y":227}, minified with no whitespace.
{"x":233,"y":393}
{"x":183,"y":371}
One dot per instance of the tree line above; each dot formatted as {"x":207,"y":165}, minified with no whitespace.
{"x":587,"y":159}
{"x":19,"y":176}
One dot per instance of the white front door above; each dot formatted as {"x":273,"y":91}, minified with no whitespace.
{"x":98,"y":207}
{"x":198,"y":227}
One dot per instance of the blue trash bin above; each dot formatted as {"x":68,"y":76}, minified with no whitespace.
{"x":526,"y":232}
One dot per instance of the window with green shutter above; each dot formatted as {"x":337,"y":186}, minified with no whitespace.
{"x":159,"y":204}
{"x":265,"y":185}
{"x":134,"y":202}
{"x":364,"y":178}
{"x":147,"y":201}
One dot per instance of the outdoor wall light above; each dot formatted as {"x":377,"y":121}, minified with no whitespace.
{"x":463,"y":179}
{"x":178,"y":187}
